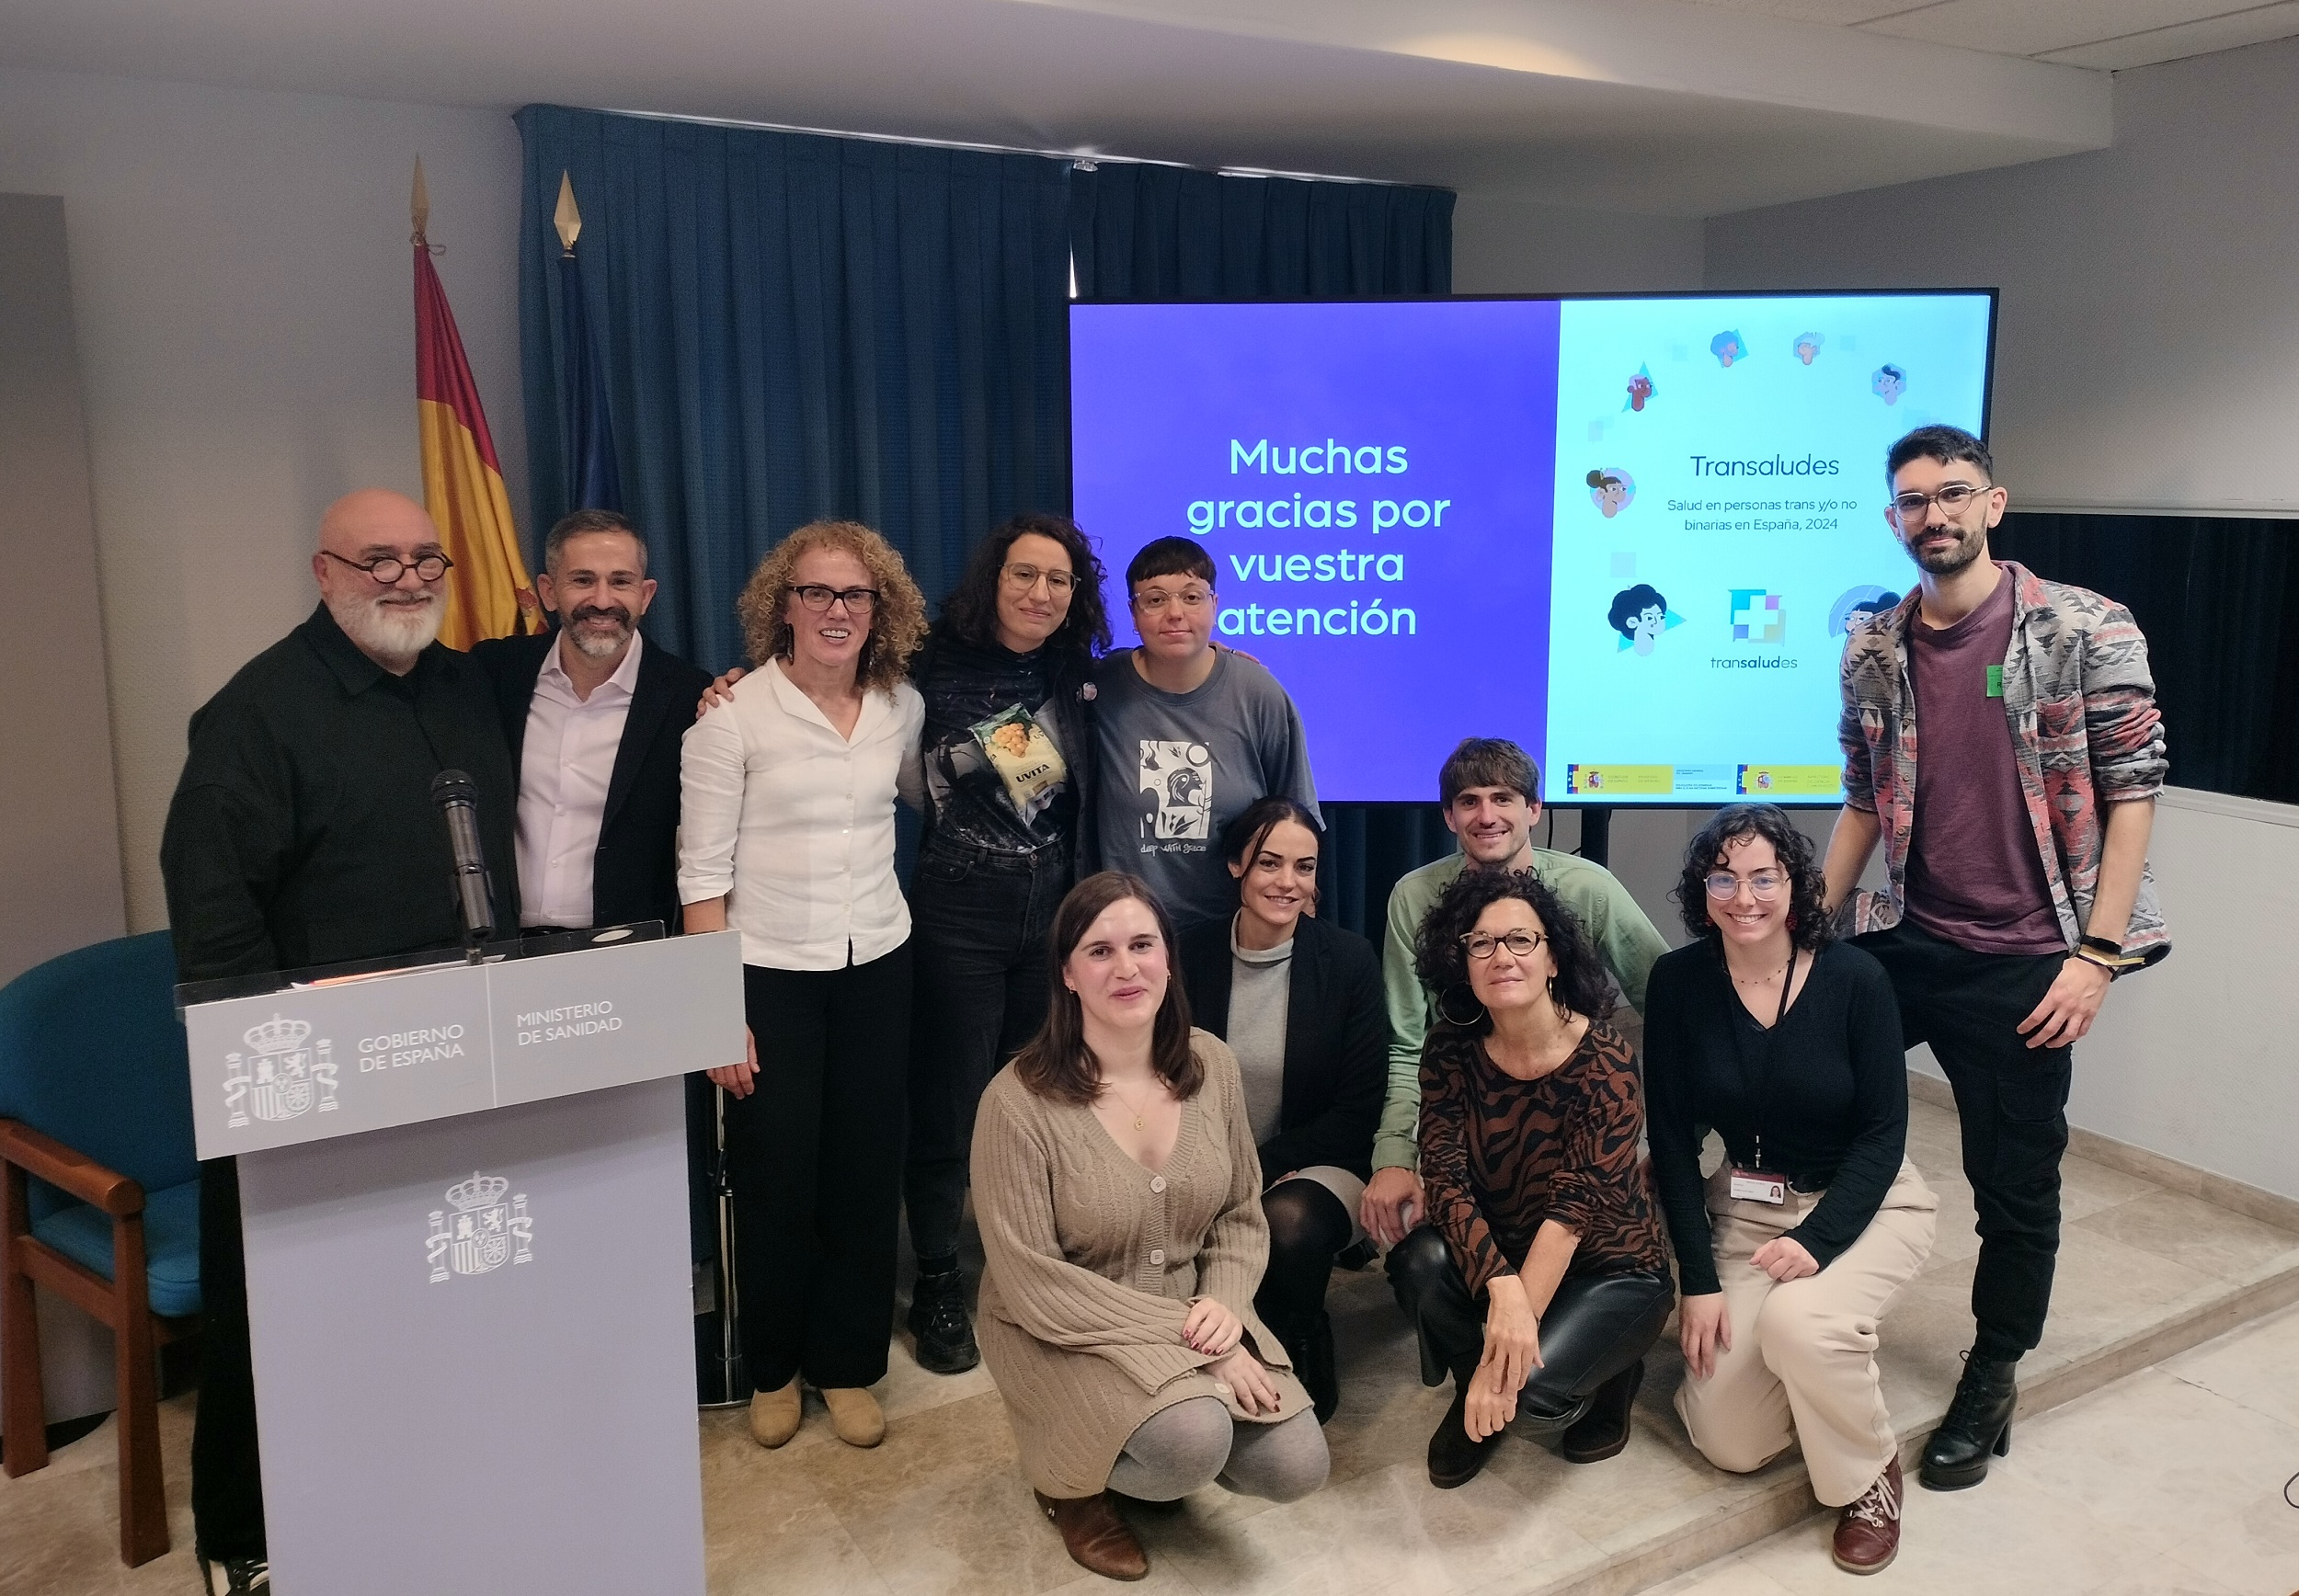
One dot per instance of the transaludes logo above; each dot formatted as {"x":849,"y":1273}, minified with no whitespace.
{"x":483,"y":1233}
{"x":279,"y":1077}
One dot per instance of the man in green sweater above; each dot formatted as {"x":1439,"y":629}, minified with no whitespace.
{"x":1491,"y":791}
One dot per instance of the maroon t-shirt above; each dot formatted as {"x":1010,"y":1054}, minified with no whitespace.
{"x":1976,"y":875}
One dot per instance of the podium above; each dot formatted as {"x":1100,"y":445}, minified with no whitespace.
{"x":463,"y":1191}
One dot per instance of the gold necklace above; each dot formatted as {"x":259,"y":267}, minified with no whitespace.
{"x":1138,"y":1109}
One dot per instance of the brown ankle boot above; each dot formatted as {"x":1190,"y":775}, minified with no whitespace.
{"x":1096,"y":1538}
{"x":1868,"y":1536}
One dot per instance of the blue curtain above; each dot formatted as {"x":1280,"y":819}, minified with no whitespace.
{"x":1160,"y":233}
{"x":2218,"y":599}
{"x":795,"y":327}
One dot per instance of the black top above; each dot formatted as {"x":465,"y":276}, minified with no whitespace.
{"x":1336,"y":1070}
{"x":302,"y":830}
{"x":1830,"y":1081}
{"x":992,"y":715}
{"x":635,"y":874}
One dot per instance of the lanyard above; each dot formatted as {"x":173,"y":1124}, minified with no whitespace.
{"x":1761,"y":1097}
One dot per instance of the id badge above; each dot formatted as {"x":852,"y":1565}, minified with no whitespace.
{"x":1759,"y":1185}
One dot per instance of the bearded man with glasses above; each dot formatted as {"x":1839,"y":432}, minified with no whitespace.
{"x":303,"y":833}
{"x":2015,"y":832}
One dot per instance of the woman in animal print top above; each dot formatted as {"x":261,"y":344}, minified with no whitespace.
{"x":1541,"y":1278}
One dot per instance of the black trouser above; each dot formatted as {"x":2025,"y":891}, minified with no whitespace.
{"x":1595,"y":1326}
{"x":815,"y":1157}
{"x":979,"y":925}
{"x":2011,"y":1101}
{"x":1308,"y":1224}
{"x":226,"y":1479}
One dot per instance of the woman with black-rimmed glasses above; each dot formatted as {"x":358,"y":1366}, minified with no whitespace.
{"x":1541,"y":1279}
{"x":786,"y":834}
{"x":1788,"y":1044}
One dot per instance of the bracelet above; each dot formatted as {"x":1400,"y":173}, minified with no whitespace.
{"x":2114,"y":968}
{"x":2101,"y":945}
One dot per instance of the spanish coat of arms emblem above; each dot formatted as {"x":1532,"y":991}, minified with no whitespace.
{"x":281,"y":1076}
{"x":483,"y":1232}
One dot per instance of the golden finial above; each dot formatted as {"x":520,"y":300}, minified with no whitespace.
{"x":567,"y":219}
{"x":419,"y":206}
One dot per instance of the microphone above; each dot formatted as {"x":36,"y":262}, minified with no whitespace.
{"x":457,"y":801}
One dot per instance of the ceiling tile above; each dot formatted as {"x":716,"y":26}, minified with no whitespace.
{"x":2035,"y":26}
{"x":2255,"y":25}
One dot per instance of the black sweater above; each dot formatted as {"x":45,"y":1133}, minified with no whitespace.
{"x":1831,"y":1084}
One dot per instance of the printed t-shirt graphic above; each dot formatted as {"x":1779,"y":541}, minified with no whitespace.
{"x":1179,"y":779}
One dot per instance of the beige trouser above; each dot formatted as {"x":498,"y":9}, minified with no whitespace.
{"x":1802,"y":1364}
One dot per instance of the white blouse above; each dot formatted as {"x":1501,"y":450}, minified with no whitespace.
{"x":794,"y":825}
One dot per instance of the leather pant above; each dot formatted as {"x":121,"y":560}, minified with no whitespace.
{"x":1596,"y":1327}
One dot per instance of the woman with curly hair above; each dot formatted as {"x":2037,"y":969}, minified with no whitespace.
{"x":1541,"y":1279}
{"x":786,"y":834}
{"x":1007,"y":760}
{"x":1788,"y":1044}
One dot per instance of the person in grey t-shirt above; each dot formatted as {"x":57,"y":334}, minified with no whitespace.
{"x":1188,"y":735}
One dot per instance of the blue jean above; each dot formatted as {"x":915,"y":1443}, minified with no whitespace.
{"x":979,"y":922}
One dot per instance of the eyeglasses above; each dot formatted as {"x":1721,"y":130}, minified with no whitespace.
{"x":817,"y":597}
{"x":1157,"y":601}
{"x":1765,"y":885}
{"x":387,"y":569}
{"x":1022,"y":579}
{"x":1911,"y":507}
{"x":1481,"y":945}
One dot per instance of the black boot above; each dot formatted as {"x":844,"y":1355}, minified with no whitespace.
{"x":1313,"y":1361}
{"x":1978,"y":1425}
{"x":1603,"y":1431}
{"x":937,"y":1319}
{"x":1454,"y":1459}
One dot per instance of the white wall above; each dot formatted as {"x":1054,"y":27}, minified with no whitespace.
{"x":1503,"y":244}
{"x":2193,"y":1059}
{"x":242,"y":284}
{"x":2148,"y":354}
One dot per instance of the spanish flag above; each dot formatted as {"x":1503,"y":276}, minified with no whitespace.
{"x":488,"y":593}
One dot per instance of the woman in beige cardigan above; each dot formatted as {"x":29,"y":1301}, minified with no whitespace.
{"x":1117,"y":1190}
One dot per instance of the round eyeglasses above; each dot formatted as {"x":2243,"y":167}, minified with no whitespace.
{"x":1952,"y":500}
{"x":1481,"y":944}
{"x":386,"y":569}
{"x":1764,"y":886}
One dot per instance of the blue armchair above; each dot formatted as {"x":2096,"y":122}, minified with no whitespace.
{"x":99,"y":1194}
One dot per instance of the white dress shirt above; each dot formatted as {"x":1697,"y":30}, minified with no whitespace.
{"x":794,"y":824}
{"x":564,"y":766}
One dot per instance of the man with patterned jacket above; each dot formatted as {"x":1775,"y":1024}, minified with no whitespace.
{"x":2016,"y":846}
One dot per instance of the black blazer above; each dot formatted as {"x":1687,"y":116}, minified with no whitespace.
{"x":635,"y":874}
{"x":1336,"y":1040}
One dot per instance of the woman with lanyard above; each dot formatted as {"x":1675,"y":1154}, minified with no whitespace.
{"x":1788,"y":1044}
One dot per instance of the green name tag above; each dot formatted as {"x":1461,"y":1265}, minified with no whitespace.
{"x":1995,"y":681}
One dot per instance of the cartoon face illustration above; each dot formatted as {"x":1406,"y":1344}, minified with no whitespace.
{"x":1640,"y":614}
{"x":1890,"y":382}
{"x":1807,"y":346}
{"x":1728,"y":347}
{"x":1854,"y":604}
{"x":1611,"y":490}
{"x":1640,"y":389}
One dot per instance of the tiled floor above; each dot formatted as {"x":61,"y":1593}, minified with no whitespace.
{"x":940,"y":1509}
{"x":2167,"y":1483}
